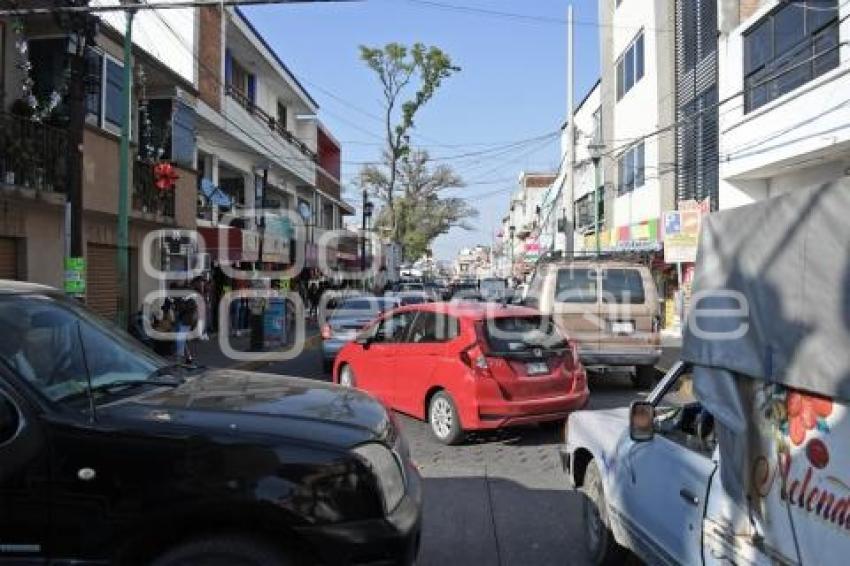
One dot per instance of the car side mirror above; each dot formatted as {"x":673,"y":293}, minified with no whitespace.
{"x":641,"y":421}
{"x":10,"y":420}
{"x":364,"y":340}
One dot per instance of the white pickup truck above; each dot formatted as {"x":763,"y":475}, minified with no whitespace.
{"x":740,"y":454}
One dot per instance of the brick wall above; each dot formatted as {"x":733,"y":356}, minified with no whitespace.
{"x":209,"y":54}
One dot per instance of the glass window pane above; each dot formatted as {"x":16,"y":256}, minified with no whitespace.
{"x":629,"y":76}
{"x":620,"y":79}
{"x":826,"y":52}
{"x":820,"y":13}
{"x":94,"y":79}
{"x":639,"y":58}
{"x":114,"y":93}
{"x":623,"y":286}
{"x":630,"y":169}
{"x":639,"y":165}
{"x":576,"y":285}
{"x":788,"y":28}
{"x":757,"y":46}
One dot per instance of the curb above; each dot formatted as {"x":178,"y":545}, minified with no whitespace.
{"x":253,"y":365}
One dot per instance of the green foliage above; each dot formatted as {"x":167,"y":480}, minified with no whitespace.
{"x":420,"y":213}
{"x":399,"y":68}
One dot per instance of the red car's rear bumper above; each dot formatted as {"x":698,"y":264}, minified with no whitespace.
{"x":500,"y":413}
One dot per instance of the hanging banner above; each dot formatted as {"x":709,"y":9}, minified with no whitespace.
{"x":681,"y":232}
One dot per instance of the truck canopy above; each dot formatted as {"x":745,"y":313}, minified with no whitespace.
{"x":778,"y":272}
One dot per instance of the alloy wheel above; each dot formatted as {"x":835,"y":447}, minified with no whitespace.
{"x":442,"y":417}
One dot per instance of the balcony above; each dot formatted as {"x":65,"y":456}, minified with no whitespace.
{"x":33,"y":155}
{"x":148,"y":199}
{"x":271,"y":122}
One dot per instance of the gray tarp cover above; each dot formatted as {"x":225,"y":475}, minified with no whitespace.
{"x":789,"y":259}
{"x":786,"y":262}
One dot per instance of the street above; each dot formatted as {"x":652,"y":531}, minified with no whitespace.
{"x":500,"y":498}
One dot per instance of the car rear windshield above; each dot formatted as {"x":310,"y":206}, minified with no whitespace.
{"x":576,"y":285}
{"x":373,"y":304}
{"x":412,"y":300}
{"x":622,"y":286}
{"x":518,"y":334}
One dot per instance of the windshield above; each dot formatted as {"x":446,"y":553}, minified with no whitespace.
{"x":56,"y":346}
{"x":512,"y":334}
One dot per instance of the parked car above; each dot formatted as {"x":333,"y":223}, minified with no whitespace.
{"x":465,"y":291}
{"x":738,"y":456}
{"x":466,"y":366}
{"x":350,"y":316}
{"x":493,"y":289}
{"x":111,"y":455}
{"x":609,"y":306}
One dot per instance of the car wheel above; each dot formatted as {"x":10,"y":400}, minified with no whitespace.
{"x":644,"y":377}
{"x":223,"y":551}
{"x":601,"y":546}
{"x":346,"y":376}
{"x":444,"y":419}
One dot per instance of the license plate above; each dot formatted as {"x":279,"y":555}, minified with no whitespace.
{"x":537,"y":368}
{"x":622,"y":327}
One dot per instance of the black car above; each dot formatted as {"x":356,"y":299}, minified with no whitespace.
{"x":110,"y":455}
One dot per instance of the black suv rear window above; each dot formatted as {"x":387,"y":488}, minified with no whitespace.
{"x":517,"y":334}
{"x":576,"y":285}
{"x":622,"y":286}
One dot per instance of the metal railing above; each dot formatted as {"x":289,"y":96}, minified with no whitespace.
{"x":273,"y":124}
{"x":32,"y":154}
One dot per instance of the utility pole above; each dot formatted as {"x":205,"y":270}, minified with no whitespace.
{"x":363,"y":234}
{"x":124,"y":175}
{"x":571,"y":135}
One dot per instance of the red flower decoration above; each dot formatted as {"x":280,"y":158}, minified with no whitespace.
{"x":803,"y":413}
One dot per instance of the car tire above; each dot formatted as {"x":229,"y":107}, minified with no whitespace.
{"x":444,"y":419}
{"x":644,"y":377}
{"x":223,"y":550}
{"x":346,"y":376}
{"x":602,"y":548}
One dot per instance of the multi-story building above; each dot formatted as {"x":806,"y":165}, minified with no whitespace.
{"x":637,"y":100}
{"x":35,"y":170}
{"x":474,"y":262}
{"x":784,"y":81}
{"x":523,"y":225}
{"x":589,"y":182}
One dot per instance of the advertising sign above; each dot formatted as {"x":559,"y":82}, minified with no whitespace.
{"x":681,"y":232}
{"x":75,"y":275}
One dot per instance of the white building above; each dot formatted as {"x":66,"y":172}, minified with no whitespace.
{"x":785,"y":85}
{"x":589,"y":181}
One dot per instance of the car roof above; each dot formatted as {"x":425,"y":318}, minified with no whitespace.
{"x":471,"y":310}
{"x":8,"y":286}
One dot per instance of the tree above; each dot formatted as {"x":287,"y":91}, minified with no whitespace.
{"x":420,"y":214}
{"x":398,"y":68}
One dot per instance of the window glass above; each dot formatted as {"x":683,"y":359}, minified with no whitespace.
{"x":394,"y":328}
{"x":819,"y":13}
{"x":431,"y":327}
{"x":826,"y":53}
{"x":94,"y":80}
{"x":183,"y":134}
{"x":518,"y":334}
{"x":57,"y":347}
{"x":758,"y":46}
{"x":639,"y":165}
{"x":629,"y":73}
{"x":114,"y":113}
{"x":576,"y":285}
{"x":623,"y":286}
{"x":787,"y":28}
{"x":630,"y":169}
{"x":620,"y":85}
{"x":639,"y":58}
{"x":680,"y":417}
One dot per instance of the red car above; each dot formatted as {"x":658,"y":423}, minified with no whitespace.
{"x":466,"y":366}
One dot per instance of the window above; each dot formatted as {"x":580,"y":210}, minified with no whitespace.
{"x":630,"y":169}
{"x":630,"y":67}
{"x":393,"y":329}
{"x":788,"y":48}
{"x":431,"y":327}
{"x":576,"y":285}
{"x":622,"y":286}
{"x":519,"y":334}
{"x":94,"y":80}
{"x":183,"y":134}
{"x":680,"y":418}
{"x":113,"y":104}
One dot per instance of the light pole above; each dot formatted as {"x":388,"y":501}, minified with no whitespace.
{"x":596,"y":156}
{"x":511,"y":232}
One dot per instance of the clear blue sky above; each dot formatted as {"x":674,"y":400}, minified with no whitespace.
{"x":512,"y":86}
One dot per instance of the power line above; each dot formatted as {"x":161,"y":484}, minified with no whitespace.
{"x":177,"y":5}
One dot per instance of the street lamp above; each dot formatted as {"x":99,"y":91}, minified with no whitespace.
{"x":368,"y":208}
{"x":595,"y":156}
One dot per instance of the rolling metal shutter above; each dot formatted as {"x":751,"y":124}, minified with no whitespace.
{"x":102,"y":280}
{"x":8,"y":258}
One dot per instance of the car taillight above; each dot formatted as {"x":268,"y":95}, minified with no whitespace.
{"x":475,"y":360}
{"x":326,"y":331}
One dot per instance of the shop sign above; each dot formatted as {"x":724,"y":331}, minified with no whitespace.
{"x":250,"y":245}
{"x":275,"y":249}
{"x":681,"y":235}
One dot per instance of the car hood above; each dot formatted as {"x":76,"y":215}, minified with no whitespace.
{"x":263,"y":404}
{"x":599,"y":431}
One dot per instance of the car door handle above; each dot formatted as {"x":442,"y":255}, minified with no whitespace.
{"x":689,"y":497}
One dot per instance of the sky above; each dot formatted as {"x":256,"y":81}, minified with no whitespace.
{"x":504,"y":107}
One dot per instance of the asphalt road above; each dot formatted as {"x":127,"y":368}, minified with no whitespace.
{"x":501,"y":498}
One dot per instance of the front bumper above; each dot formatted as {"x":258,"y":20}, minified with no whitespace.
{"x":496,"y":414}
{"x":647,"y":357}
{"x":392,"y":540}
